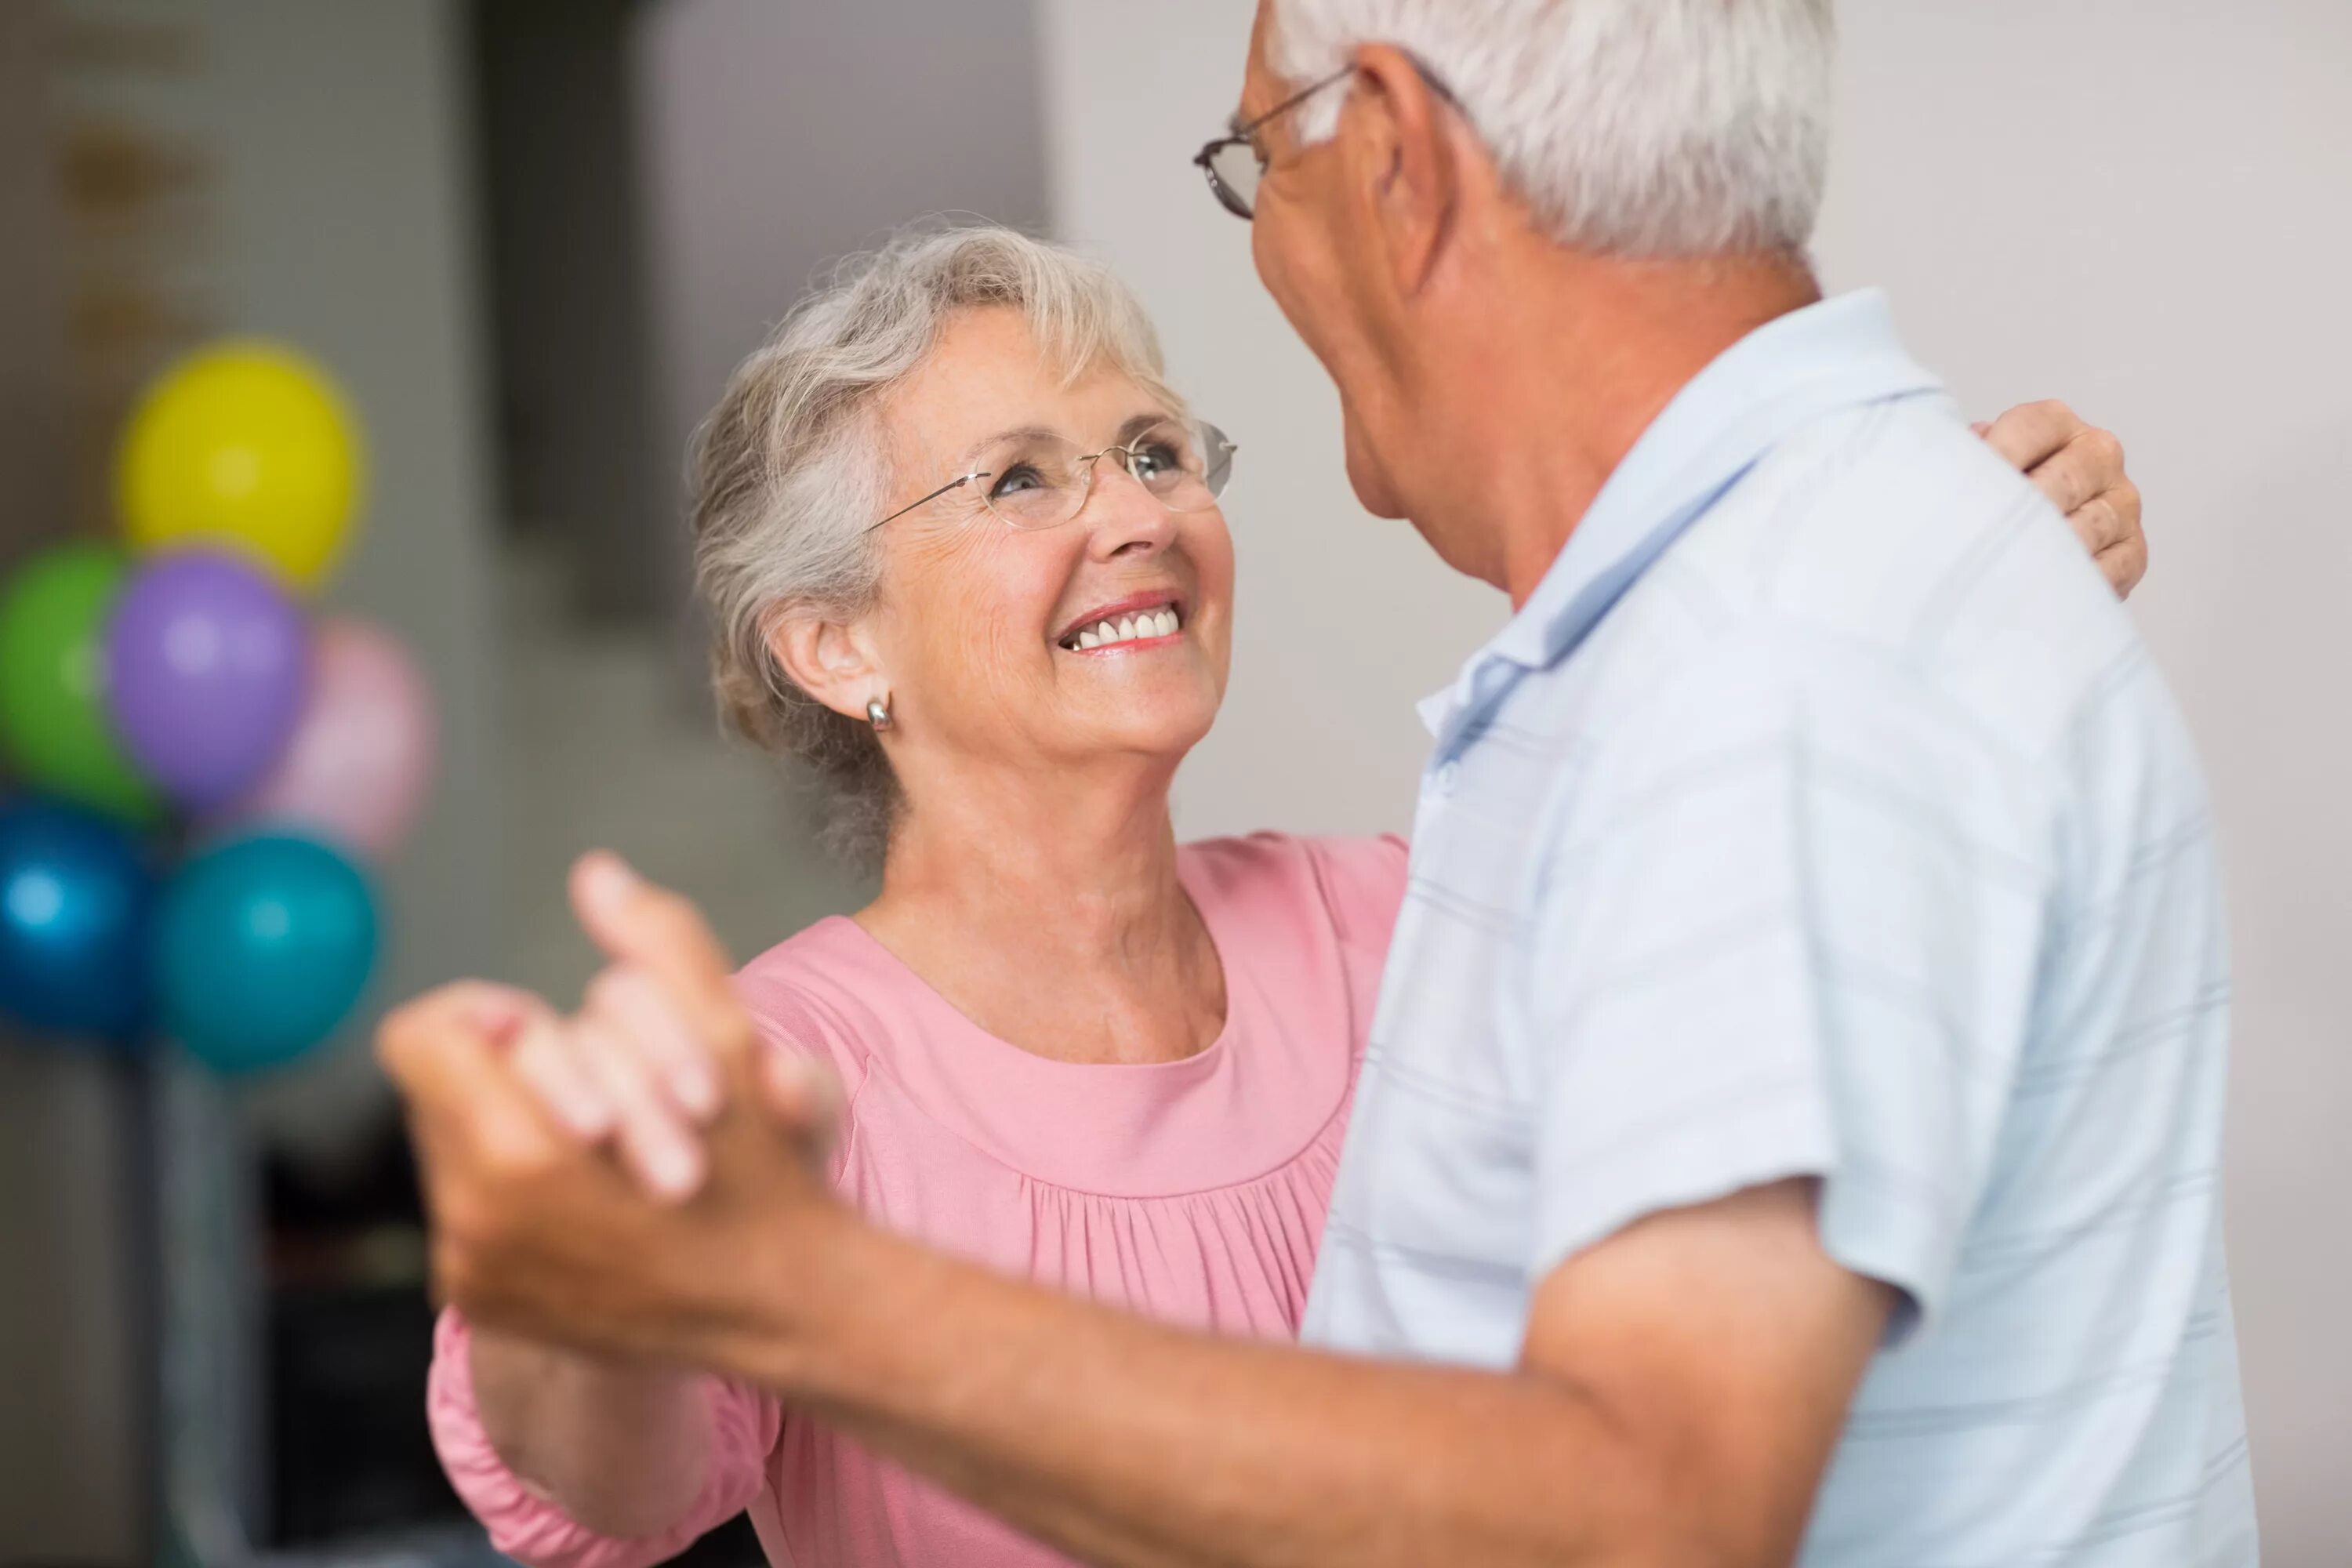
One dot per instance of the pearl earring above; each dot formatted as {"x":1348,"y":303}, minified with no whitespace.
{"x":877,"y":712}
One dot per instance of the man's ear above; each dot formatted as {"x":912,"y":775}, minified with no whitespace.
{"x":1406,"y":160}
{"x":834,"y":663}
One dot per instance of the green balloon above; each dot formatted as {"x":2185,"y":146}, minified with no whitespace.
{"x":53,"y":722}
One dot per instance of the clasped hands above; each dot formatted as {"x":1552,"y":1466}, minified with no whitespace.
{"x":642,"y":1179}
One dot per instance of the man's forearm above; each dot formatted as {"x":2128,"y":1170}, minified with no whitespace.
{"x":1136,"y":1446}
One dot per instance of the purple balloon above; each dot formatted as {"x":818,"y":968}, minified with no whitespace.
{"x":208,"y":664}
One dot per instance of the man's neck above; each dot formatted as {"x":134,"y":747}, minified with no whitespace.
{"x":1566,"y":382}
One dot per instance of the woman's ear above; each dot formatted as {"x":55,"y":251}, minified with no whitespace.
{"x":836,"y":664}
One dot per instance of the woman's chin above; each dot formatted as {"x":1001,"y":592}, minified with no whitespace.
{"x":1163,"y":726}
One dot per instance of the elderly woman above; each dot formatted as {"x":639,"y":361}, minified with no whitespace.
{"x":963,"y":551}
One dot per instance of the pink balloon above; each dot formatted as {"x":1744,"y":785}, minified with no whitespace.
{"x":361,"y":756}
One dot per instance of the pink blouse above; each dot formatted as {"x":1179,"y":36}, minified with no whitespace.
{"x":1193,"y":1191}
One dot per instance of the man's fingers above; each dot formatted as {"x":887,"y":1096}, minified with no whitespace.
{"x":661,"y":1151}
{"x":446,"y":1053}
{"x":655,"y":930}
{"x":480,"y":1007}
{"x":2029,"y":436}
{"x":450,"y":1039}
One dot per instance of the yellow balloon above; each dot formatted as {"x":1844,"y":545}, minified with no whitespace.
{"x":245,"y":443}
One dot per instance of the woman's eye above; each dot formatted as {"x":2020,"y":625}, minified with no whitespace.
{"x":1158,"y":459}
{"x":1013,"y":481}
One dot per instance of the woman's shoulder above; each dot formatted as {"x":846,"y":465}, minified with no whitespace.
{"x":814,"y":990}
{"x":1355,"y":884}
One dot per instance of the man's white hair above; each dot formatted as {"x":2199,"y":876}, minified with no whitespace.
{"x":1642,"y":127}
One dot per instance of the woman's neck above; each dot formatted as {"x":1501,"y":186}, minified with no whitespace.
{"x":1054,"y":918}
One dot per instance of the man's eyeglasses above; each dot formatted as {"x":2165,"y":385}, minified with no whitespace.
{"x":1235,"y":163}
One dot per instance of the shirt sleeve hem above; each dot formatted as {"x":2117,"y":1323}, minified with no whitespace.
{"x":533,"y":1530}
{"x":1773,"y":1135}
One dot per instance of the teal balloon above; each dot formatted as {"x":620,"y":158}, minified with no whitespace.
{"x":265,"y":945}
{"x":76,"y":897}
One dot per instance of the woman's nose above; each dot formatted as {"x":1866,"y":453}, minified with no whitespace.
{"x":1122,"y":517}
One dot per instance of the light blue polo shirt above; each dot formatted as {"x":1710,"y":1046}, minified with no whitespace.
{"x":1822,"y":815}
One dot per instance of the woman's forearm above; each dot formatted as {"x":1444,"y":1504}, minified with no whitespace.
{"x":621,"y":1449}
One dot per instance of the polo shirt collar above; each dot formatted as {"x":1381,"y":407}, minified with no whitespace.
{"x":1781,"y":377}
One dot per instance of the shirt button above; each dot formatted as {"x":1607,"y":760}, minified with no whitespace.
{"x":1448,"y":777}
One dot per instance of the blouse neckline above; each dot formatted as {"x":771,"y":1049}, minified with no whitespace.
{"x":1243,"y":1106}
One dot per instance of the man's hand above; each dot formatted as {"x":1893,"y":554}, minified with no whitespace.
{"x":543,"y":1233}
{"x":2081,"y":469}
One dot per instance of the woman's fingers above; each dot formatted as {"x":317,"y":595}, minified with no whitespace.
{"x":652,"y":929}
{"x":635,"y":1005}
{"x":656,"y":1141}
{"x":2081,"y":468}
{"x":545,"y":1058}
{"x":629,"y":1069}
{"x":802,"y":1098}
{"x":2031,"y":433}
{"x":2126,"y":564}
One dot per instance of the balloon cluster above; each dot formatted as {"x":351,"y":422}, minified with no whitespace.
{"x":176,"y":691}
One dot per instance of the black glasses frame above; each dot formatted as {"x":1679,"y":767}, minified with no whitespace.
{"x":1231,"y":200}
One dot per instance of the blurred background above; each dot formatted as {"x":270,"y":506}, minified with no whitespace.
{"x":528,"y":239}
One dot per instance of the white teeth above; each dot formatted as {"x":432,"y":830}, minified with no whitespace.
{"x":1162,"y":623}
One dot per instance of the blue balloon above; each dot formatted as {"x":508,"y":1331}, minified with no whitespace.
{"x":76,"y":899}
{"x":265,"y":945}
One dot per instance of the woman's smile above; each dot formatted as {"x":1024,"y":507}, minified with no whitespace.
{"x":1133,"y":625}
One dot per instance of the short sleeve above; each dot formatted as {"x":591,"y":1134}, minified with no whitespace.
{"x":1788,"y":924}
{"x":532,"y":1531}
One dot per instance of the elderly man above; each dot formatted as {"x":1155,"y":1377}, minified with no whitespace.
{"x":1792,"y":1131}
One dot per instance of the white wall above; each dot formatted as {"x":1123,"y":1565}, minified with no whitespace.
{"x":2142,"y":205}
{"x":779,"y":138}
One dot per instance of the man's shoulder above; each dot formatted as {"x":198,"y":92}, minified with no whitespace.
{"x":1889,"y":544}
{"x":1885,"y":521}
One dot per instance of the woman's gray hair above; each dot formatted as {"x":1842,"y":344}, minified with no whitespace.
{"x":1643,"y":128}
{"x":792,"y":469}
